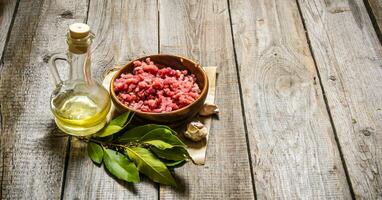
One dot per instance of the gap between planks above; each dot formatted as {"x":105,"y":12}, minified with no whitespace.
{"x":67,"y":156}
{"x":374,"y":18}
{"x":241,"y":100}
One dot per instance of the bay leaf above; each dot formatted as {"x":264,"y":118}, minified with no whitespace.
{"x":175,"y":153}
{"x":95,"y":152}
{"x":164,"y":135}
{"x":134,"y":134}
{"x":120,"y":166}
{"x":116,"y":125}
{"x":121,"y":120}
{"x":150,"y":165}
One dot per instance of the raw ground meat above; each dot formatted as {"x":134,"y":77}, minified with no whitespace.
{"x":150,"y":89}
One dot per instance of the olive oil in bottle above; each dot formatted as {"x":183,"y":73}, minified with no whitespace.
{"x":80,"y":105}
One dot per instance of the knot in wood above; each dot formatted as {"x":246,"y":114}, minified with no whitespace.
{"x":367,"y":131}
{"x":332,"y":78}
{"x":67,"y":14}
{"x":46,"y":58}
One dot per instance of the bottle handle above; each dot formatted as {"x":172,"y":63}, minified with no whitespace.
{"x":53,"y":67}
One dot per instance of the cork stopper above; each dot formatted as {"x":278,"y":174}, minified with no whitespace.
{"x":79,"y":30}
{"x":79,"y":38}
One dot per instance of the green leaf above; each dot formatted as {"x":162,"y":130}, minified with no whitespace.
{"x":164,"y":135}
{"x":116,"y":125}
{"x":95,"y":152}
{"x":120,"y":120}
{"x":174,"y":164}
{"x":120,"y":166}
{"x":159,"y":144}
{"x":109,"y":130}
{"x":176,"y":153}
{"x":150,"y":165}
{"x":136,"y":133}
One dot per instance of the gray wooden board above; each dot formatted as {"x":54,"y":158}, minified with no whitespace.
{"x":32,"y":158}
{"x":124,"y":30}
{"x":293,"y":148}
{"x":200,"y":30}
{"x":7,"y":9}
{"x":349,"y":59}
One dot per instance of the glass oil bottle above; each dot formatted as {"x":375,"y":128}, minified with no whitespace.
{"x":80,"y":104}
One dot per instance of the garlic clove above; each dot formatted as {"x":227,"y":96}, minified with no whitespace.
{"x":196,"y":131}
{"x":208,"y":110}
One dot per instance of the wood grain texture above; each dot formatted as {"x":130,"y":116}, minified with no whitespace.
{"x":124,"y":30}
{"x":292,"y":144}
{"x":376,"y":11}
{"x":200,"y":30}
{"x":349,"y":60}
{"x":32,"y":157}
{"x":7,"y":9}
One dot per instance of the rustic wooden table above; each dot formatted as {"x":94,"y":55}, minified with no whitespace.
{"x":299,"y":88}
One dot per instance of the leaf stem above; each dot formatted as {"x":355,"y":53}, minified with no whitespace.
{"x":107,"y":144}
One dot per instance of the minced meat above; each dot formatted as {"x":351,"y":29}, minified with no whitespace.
{"x":150,"y":89}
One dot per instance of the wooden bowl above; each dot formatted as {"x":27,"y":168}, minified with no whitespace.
{"x":173,"y":117}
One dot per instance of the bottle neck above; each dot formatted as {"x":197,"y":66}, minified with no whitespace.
{"x":79,"y":67}
{"x":79,"y":58}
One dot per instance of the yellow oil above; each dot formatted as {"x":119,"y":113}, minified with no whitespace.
{"x":79,"y":113}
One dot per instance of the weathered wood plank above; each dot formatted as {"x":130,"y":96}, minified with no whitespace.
{"x":201,"y":30}
{"x":376,"y":11}
{"x":124,"y":30}
{"x":32,"y":158}
{"x":7,"y":9}
{"x":349,"y":60}
{"x":292,"y":144}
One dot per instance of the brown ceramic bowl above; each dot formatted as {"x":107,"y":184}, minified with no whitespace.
{"x":173,"y":117}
